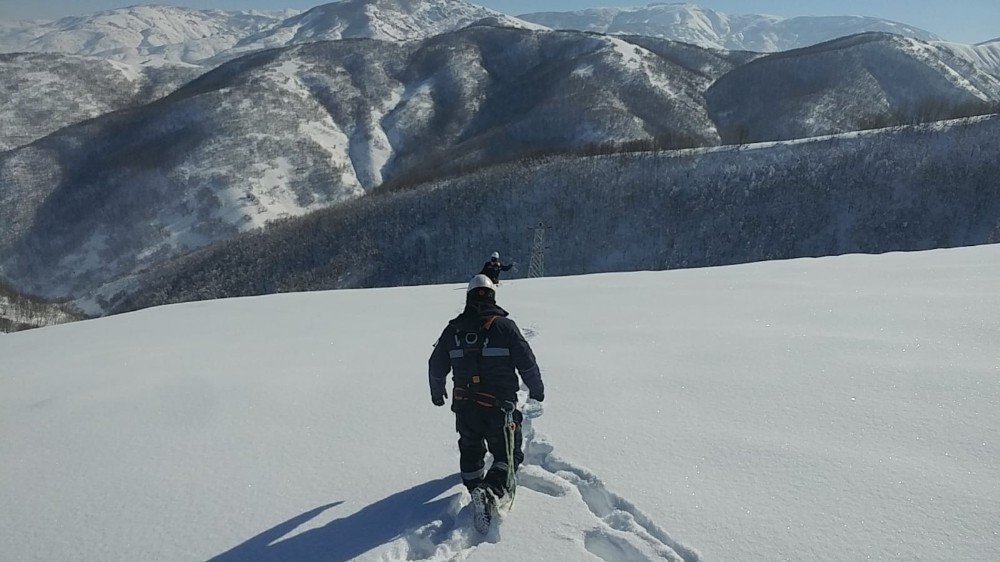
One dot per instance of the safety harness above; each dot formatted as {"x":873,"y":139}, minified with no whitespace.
{"x":473,"y":348}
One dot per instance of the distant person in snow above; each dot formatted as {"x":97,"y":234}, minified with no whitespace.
{"x":493,"y":268}
{"x":482,"y":347}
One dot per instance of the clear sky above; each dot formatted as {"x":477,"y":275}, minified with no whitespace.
{"x":967,"y":21}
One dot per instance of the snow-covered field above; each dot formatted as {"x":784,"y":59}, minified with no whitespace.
{"x":818,"y":409}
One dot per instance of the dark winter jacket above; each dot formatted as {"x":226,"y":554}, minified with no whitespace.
{"x":492,"y":270}
{"x":482,"y":347}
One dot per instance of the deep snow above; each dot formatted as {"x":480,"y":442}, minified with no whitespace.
{"x":813,"y":409}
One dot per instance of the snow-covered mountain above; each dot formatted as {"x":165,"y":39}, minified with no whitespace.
{"x":863,"y":81}
{"x":984,"y":55}
{"x":387,"y":20}
{"x":877,"y":191}
{"x":702,"y":26}
{"x":283,"y":132}
{"x":44,"y":92}
{"x":156,"y":35}
{"x":819,"y":409}
{"x":147,"y":35}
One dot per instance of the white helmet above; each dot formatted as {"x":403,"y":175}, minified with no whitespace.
{"x":481,"y":282}
{"x":495,"y":255}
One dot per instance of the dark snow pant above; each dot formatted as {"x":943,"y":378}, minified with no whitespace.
{"x":479,"y":430}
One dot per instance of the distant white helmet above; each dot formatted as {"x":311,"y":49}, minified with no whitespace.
{"x":480,"y":282}
{"x":495,"y":255}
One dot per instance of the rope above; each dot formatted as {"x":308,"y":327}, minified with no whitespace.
{"x":509,"y":440}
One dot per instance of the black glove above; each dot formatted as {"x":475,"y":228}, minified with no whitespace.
{"x":537,"y":396}
{"x":439,"y":399}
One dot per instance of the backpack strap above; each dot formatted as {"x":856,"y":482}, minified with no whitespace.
{"x":489,"y":323}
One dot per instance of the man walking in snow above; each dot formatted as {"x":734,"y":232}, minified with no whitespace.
{"x":493,"y":268}
{"x":482,"y":348}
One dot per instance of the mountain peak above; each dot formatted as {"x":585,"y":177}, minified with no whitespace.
{"x":387,"y":20}
{"x":142,"y":34}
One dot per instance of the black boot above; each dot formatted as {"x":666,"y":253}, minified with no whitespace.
{"x":483,"y":507}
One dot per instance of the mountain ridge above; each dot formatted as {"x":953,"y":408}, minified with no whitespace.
{"x":888,"y":190}
{"x":284,"y":132}
{"x":709,"y":28}
{"x":387,"y":20}
{"x":850,"y":83}
{"x":45,"y":92}
{"x":342,"y":117}
{"x":141,"y":34}
{"x":165,"y":34}
{"x":176,"y":164}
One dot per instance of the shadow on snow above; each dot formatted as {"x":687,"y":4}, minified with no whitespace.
{"x":351,"y":536}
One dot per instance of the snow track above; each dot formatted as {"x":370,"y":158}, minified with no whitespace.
{"x":560,"y":507}
{"x":624,"y":532}
{"x":617,"y":531}
{"x":452,"y":537}
{"x":621,"y":531}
